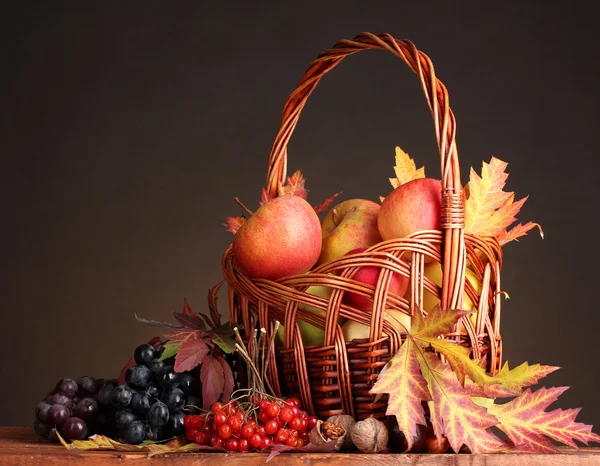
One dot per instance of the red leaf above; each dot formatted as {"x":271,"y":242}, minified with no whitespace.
{"x":323,"y":206}
{"x":228,"y":383}
{"x":265,"y":196}
{"x":294,"y":186}
{"x":191,"y":353}
{"x":212,"y":378}
{"x":187,"y":310}
{"x":234,"y":223}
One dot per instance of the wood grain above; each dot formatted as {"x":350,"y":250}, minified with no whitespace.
{"x":19,"y":446}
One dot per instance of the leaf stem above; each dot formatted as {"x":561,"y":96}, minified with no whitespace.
{"x":241,"y":204}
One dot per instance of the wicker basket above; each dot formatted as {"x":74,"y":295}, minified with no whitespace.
{"x":336,"y":378}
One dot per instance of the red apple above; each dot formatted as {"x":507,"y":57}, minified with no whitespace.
{"x":411,"y":207}
{"x":369,"y":275}
{"x":282,"y":238}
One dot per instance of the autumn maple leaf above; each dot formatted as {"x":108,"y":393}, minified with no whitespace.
{"x":489,"y":210}
{"x":294,"y":185}
{"x":234,"y":223}
{"x":405,"y":169}
{"x":526,"y":423}
{"x":406,"y":388}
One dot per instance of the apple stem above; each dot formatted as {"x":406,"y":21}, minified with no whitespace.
{"x":240,"y":203}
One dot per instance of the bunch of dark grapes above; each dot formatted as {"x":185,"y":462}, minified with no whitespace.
{"x":151,"y":405}
{"x":251,"y":426}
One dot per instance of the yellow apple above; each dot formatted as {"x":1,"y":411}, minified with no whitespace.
{"x":349,"y":225}
{"x":354,"y":330}
{"x":433,"y":271}
{"x":311,"y":335}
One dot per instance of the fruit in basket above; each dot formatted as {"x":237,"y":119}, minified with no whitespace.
{"x":282,"y":238}
{"x":311,"y":335}
{"x":433,"y":271}
{"x":411,"y":207}
{"x":349,"y":225}
{"x":369,"y":274}
{"x":354,"y":330}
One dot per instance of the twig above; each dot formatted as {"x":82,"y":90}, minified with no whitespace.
{"x":241,"y":204}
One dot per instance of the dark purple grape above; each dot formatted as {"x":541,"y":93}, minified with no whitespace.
{"x":138,"y":376}
{"x":188,"y":383}
{"x":193,"y":405}
{"x":153,"y":391}
{"x":160,"y":351}
{"x":104,"y":424}
{"x":67,"y":387}
{"x":121,"y":396}
{"x":41,"y":429}
{"x":135,"y":433}
{"x":87,"y":385}
{"x":123,"y":418}
{"x":155,"y":366}
{"x":52,"y":437}
{"x":158,"y":414}
{"x":58,"y":399}
{"x":175,"y":426}
{"x":144,"y":354}
{"x":57,"y":415}
{"x":174,"y":399}
{"x":41,"y":411}
{"x":140,"y":403}
{"x":75,"y":428}
{"x":105,"y":394}
{"x":168,"y":378}
{"x":86,"y":409}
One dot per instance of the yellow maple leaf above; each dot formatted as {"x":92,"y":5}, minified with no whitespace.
{"x":405,"y":169}
{"x":489,"y":210}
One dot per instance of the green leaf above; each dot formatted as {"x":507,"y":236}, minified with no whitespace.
{"x":523,"y":375}
{"x":170,"y":350}
{"x":223,"y":337}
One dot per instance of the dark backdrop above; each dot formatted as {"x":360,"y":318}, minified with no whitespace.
{"x":128,"y":128}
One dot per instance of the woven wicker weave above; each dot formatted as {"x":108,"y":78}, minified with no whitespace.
{"x":336,"y":377}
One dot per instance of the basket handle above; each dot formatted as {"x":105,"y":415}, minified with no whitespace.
{"x":452,"y":220}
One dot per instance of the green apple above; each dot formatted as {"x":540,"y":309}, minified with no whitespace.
{"x":349,"y":225}
{"x":355,"y":330}
{"x":311,"y":335}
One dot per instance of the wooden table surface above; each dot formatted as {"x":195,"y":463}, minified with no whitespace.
{"x":20,"y":446}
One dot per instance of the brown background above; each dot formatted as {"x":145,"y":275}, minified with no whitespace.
{"x":130,"y":126}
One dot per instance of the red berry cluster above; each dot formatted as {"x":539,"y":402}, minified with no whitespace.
{"x":251,"y":426}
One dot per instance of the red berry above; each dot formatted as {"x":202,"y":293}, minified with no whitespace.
{"x":263,"y":417}
{"x":260,"y":430}
{"x":216,"y":441}
{"x":293,"y":401}
{"x":291,"y":441}
{"x":295,"y":411}
{"x":300,"y":442}
{"x":256,"y":399}
{"x":303,"y":415}
{"x":230,"y":408}
{"x":252,"y":423}
{"x":216,"y":407}
{"x":273,"y":410}
{"x":271,"y":427}
{"x":265,"y":442}
{"x":244,"y":444}
{"x":296,"y":423}
{"x":232,"y":444}
{"x":202,"y":438}
{"x":220,"y":418}
{"x":312,"y":422}
{"x":225,"y":431}
{"x":190,"y":433}
{"x":247,"y":430}
{"x":240,"y":415}
{"x":255,"y":440}
{"x":304,"y":424}
{"x":263,"y":404}
{"x":306,"y":437}
{"x":281,"y":436}
{"x":193,"y":420}
{"x":234,"y":422}
{"x":286,"y":414}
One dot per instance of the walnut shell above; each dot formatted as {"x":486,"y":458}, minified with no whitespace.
{"x":347,"y":422}
{"x":323,"y":432}
{"x":370,"y":435}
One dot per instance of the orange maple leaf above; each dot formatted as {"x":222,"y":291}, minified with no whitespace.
{"x":491,"y":211}
{"x":234,"y":223}
{"x":294,"y":185}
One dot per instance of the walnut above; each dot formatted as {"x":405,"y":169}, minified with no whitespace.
{"x":347,"y":422}
{"x":370,"y":435}
{"x":323,"y":432}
